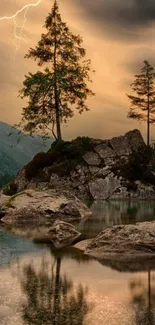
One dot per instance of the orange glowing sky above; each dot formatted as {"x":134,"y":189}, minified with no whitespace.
{"x":118,"y":38}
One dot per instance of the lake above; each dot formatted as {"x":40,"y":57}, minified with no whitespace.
{"x":43,"y":286}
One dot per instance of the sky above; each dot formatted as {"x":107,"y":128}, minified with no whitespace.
{"x":118,"y":37}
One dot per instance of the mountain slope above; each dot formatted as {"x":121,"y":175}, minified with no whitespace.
{"x":17,"y":150}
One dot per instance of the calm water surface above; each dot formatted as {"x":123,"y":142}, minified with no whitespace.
{"x":42,"y":286}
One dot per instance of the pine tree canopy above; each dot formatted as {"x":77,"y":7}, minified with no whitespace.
{"x":143,"y":102}
{"x":61,"y":86}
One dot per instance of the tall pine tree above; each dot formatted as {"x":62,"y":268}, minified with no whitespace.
{"x":55,"y":92}
{"x":143,"y":105}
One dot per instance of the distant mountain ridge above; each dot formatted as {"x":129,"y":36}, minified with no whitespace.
{"x":17,"y":150}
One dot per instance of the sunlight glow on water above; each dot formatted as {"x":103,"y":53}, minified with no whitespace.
{"x":42,"y":286}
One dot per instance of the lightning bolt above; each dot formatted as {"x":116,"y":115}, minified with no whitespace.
{"x":19,"y":30}
{"x":20,"y":10}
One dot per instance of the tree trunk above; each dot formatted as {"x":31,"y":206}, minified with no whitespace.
{"x":56,"y":306}
{"x":150,"y":313}
{"x":148,"y":126}
{"x":148,"y":112}
{"x":149,"y":290}
{"x":58,"y":127}
{"x":56,"y":96}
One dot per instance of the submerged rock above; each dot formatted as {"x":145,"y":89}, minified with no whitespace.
{"x":124,"y":242}
{"x":43,"y":207}
{"x":63,"y":234}
{"x":83,"y":244}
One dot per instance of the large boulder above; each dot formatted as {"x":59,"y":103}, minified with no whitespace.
{"x":43,"y":207}
{"x":63,"y":234}
{"x":135,"y":139}
{"x":121,"y":145}
{"x":92,"y":158}
{"x":103,"y":189}
{"x":124,"y":242}
{"x":104,"y":150}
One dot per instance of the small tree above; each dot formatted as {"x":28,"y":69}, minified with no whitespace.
{"x":55,"y":92}
{"x":143,"y":105}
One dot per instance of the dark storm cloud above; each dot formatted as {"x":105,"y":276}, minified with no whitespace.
{"x":135,"y":63}
{"x":128,"y":17}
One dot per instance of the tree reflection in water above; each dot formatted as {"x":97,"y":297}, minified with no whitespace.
{"x":143,"y":299}
{"x":51,"y":298}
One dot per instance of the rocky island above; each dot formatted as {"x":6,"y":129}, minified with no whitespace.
{"x":94,"y":169}
{"x":53,"y":185}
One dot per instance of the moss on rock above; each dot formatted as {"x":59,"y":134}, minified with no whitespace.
{"x":10,"y":189}
{"x":62,"y":158}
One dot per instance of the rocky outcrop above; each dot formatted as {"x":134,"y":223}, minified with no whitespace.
{"x":2,"y":213}
{"x":3,"y":199}
{"x":124,"y":242}
{"x":92,"y":158}
{"x":98,"y":176}
{"x":103,"y":188}
{"x":63,"y":234}
{"x":43,"y":207}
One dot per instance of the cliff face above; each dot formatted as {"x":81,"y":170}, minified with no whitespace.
{"x":104,"y":170}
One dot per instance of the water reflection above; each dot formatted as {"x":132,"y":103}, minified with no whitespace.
{"x":143,"y":300}
{"x":67,"y":287}
{"x":138,"y":264}
{"x":50,"y":287}
{"x":142,"y":286}
{"x":104,"y":214}
{"x":107,"y":214}
{"x":51,"y":299}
